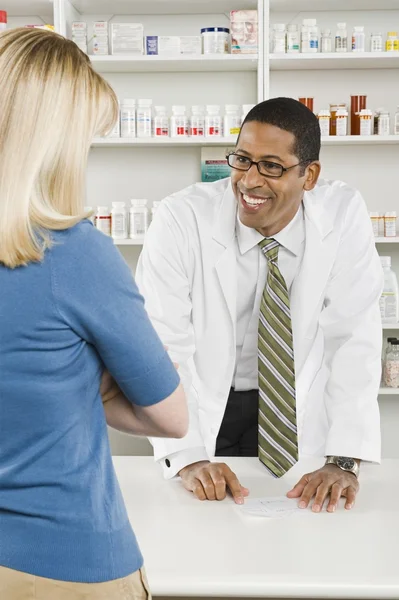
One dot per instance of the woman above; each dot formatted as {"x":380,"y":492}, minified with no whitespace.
{"x":69,"y":309}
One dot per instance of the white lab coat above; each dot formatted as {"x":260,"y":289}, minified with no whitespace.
{"x":187,"y":274}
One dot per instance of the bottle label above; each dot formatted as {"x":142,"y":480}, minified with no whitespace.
{"x":388,"y":302}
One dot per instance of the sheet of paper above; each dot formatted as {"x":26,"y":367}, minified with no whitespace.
{"x":273,"y":507}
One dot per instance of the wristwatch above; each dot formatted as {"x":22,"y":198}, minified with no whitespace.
{"x":345,"y":463}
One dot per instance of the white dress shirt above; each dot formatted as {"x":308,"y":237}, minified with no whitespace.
{"x":251,"y":280}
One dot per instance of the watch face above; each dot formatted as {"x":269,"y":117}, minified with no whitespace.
{"x":345,"y":462}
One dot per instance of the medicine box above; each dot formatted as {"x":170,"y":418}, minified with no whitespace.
{"x":190,"y":44}
{"x":127,"y":38}
{"x":244,"y":31}
{"x":151,"y":45}
{"x":100,"y":28}
{"x":169,"y":44}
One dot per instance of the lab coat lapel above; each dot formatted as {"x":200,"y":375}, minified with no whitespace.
{"x":225,"y":264}
{"x":311,"y":279}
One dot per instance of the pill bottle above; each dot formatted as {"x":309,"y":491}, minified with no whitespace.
{"x":376,"y":43}
{"x":326,"y":41}
{"x":292,"y":39}
{"x":389,"y":298}
{"x":307,"y":24}
{"x":232,"y":120}
{"x":358,"y":39}
{"x":144,"y":118}
{"x":161,"y":122}
{"x":278,"y":38}
{"x":342,"y":121}
{"x":197,"y":121}
{"x":390,"y":224}
{"x":307,"y":101}
{"x":391,"y":367}
{"x":155,"y":206}
{"x":3,"y":20}
{"x":138,"y":222}
{"x":333,"y":121}
{"x":314,"y":39}
{"x":366,"y":122}
{"x":374,"y":216}
{"x":179,"y":122}
{"x":381,"y":225}
{"x":246,"y":108}
{"x":392,"y":43}
{"x":383,"y":122}
{"x":119,"y":221}
{"x":213,"y":121}
{"x":324,"y":122}
{"x":215,"y":40}
{"x":357,"y":104}
{"x":128,"y":118}
{"x":341,"y":38}
{"x":103,"y":220}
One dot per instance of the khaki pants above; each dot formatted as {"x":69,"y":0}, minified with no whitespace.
{"x":15,"y":585}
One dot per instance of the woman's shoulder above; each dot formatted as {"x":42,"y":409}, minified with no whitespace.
{"x":83,"y":236}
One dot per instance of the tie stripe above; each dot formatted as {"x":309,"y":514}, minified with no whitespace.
{"x":277,"y":426}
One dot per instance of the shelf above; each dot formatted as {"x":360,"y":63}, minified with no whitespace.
{"x":385,"y":391}
{"x":135,"y":242}
{"x":161,"y":7}
{"x":166,"y":141}
{"x":24,"y":8}
{"x":390,"y":326}
{"x":332,"y":5}
{"x":350,"y":60}
{"x":386,"y":240}
{"x":348,"y":140}
{"x":359,"y":140}
{"x":170,"y":64}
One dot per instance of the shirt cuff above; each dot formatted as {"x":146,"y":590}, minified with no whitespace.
{"x":173,"y":463}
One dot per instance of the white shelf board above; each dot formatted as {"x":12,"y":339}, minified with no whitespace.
{"x":334,"y":60}
{"x":390,"y":326}
{"x":156,"y":64}
{"x":332,"y":5}
{"x":359,"y":140}
{"x":23,"y":8}
{"x":387,"y":240}
{"x":160,"y":7}
{"x":386,"y":391}
{"x":135,"y":242}
{"x":162,"y":141}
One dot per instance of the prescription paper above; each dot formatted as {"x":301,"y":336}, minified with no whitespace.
{"x":273,"y":507}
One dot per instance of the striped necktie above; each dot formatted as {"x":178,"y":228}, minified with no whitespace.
{"x":277,"y":425}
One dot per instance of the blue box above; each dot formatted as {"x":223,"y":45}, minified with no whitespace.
{"x":151,"y":44}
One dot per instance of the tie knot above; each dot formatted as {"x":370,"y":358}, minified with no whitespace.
{"x":270,"y":247}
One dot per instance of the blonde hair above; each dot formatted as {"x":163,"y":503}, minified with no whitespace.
{"x":52,"y":104}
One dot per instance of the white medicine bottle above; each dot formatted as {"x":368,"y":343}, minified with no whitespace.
{"x":128,"y":118}
{"x":232,"y":120}
{"x":103,"y":219}
{"x":138,"y":218}
{"x":246,"y":108}
{"x":118,"y":221}
{"x":179,"y":122}
{"x":213,"y":121}
{"x":161,"y":122}
{"x":341,"y":38}
{"x":144,"y":118}
{"x":389,"y":301}
{"x":197,"y":121}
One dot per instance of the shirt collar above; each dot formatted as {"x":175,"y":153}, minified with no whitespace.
{"x":291,"y":237}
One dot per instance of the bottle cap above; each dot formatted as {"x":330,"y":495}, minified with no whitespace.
{"x":197,"y":108}
{"x":179,"y":109}
{"x":215,"y":29}
{"x":392,"y":339}
{"x":160,"y":109}
{"x":128,"y":102}
{"x":341,"y":25}
{"x":145,"y":102}
{"x":392,"y":33}
{"x":232,"y":108}
{"x":118,"y":204}
{"x":213,"y":108}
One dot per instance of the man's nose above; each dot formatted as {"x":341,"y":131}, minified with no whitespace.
{"x":252,"y":178}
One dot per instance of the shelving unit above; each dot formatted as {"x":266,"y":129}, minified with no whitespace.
{"x":135,"y":242}
{"x":170,"y":64}
{"x":336,"y":61}
{"x":160,"y":142}
{"x":385,"y":391}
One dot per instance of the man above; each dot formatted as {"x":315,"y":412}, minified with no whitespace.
{"x":266,"y":290}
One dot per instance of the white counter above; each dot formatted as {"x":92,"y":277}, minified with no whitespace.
{"x":209,"y":549}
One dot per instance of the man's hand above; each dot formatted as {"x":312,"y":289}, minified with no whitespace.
{"x":330,"y":479}
{"x":210,"y":481}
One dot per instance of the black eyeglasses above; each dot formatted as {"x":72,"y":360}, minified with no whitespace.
{"x":265,"y":167}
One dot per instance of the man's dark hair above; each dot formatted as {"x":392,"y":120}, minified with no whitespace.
{"x":290,"y":115}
